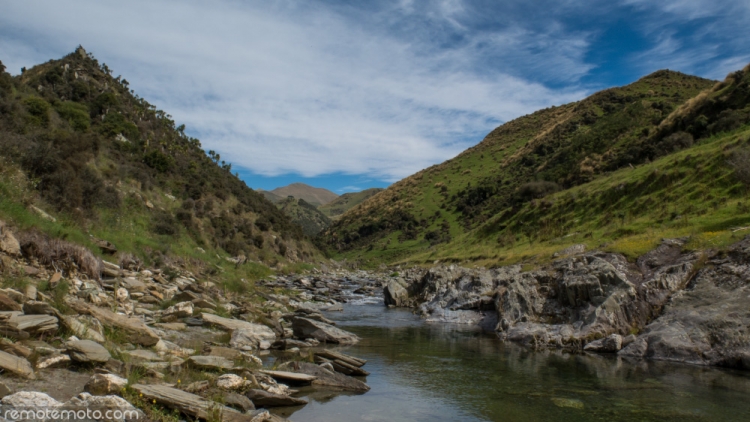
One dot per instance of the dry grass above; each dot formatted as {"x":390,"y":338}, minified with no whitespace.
{"x":60,"y":254}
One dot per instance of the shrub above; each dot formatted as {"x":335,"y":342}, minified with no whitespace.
{"x":165,"y":224}
{"x":38,"y":109}
{"x":534,"y":190}
{"x":76,"y":115}
{"x":258,"y":241}
{"x":158,"y":161}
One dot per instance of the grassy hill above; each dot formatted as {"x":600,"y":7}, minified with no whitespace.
{"x":305,"y":215}
{"x":271,"y":196}
{"x":347,"y":201}
{"x":615,"y":170}
{"x":312,"y":195}
{"x":77,"y":143}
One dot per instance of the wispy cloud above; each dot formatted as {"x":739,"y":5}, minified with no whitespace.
{"x":381,"y":88}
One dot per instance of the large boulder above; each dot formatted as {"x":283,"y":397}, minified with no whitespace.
{"x":307,"y":328}
{"x":254,"y":336}
{"x":395,"y":293}
{"x":326,"y":378}
{"x":135,"y":329}
{"x":177,"y":311}
{"x":16,"y":365}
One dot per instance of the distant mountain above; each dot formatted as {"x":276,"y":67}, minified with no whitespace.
{"x":304,"y":215}
{"x":347,"y":201}
{"x":312,"y":195}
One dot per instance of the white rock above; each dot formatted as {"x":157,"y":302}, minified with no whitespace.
{"x":231,"y":382}
{"x":30,"y":399}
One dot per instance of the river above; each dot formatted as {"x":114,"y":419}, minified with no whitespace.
{"x":437,"y":372}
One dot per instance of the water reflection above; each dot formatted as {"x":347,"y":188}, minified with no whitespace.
{"x":436,"y":372}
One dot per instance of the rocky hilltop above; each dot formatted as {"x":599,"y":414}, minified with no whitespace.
{"x":671,"y":304}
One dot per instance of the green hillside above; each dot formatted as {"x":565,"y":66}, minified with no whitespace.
{"x":304,"y":215}
{"x":347,"y":201}
{"x":617,"y":170}
{"x":77,"y":143}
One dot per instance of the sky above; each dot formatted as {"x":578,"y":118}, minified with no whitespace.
{"x":352,"y":95}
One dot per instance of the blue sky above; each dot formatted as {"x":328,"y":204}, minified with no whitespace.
{"x":350,"y":96}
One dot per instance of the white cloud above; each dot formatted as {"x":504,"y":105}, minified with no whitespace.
{"x":293,"y":87}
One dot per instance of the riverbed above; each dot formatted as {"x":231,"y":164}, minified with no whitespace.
{"x":437,"y":372}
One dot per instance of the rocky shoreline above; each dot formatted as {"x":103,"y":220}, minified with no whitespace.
{"x":88,"y":334}
{"x":669,"y":305}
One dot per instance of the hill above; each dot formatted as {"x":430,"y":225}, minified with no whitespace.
{"x":502,"y":200}
{"x":271,"y":196}
{"x":305,"y":215}
{"x":347,"y":201}
{"x":106,"y":165}
{"x":312,"y":195}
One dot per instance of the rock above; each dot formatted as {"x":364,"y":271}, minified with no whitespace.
{"x":216,"y":363}
{"x":571,"y":250}
{"x":8,"y":242}
{"x":570,"y":403}
{"x":105,"y":384}
{"x":225,"y":352}
{"x":191,"y":404}
{"x":231,"y":382}
{"x":24,"y":400}
{"x":15,"y":349}
{"x":228,"y":324}
{"x":137,"y":332}
{"x":41,"y":213}
{"x":53,"y":361}
{"x":174,"y":326}
{"x":611,"y":344}
{"x":100,"y":405}
{"x":177,"y":311}
{"x":30,"y":292}
{"x":251,"y":337}
{"x":197,"y":387}
{"x":121,"y":294}
{"x":705,"y":324}
{"x":16,"y":365}
{"x":327,"y":378}
{"x":33,"y":307}
{"x":238,"y":401}
{"x":33,"y":324}
{"x":333,"y":355}
{"x":143,"y":355}
{"x":307,"y":328}
{"x":85,"y":326}
{"x":133,"y":284}
{"x":4,"y":390}
{"x":266,"y":399}
{"x":194,"y":322}
{"x":87,"y":351}
{"x":290,"y":377}
{"x":8,"y":304}
{"x":395,"y":293}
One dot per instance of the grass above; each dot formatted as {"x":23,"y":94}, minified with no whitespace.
{"x":691,"y":193}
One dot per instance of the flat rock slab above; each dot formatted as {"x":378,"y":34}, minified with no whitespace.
{"x":308,"y":328}
{"x":87,"y":351}
{"x":33,"y":324}
{"x":291,"y":377}
{"x":266,"y":399}
{"x":230,"y":324}
{"x":327,"y":378}
{"x":16,"y":365}
{"x":333,"y":355}
{"x":193,"y":405}
{"x":143,"y":355}
{"x":216,"y":363}
{"x":137,"y":331}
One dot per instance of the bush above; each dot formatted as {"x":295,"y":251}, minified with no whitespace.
{"x":534,"y":190}
{"x":158,"y":161}
{"x":165,"y":224}
{"x":258,"y":241}
{"x":76,"y":115}
{"x":38,"y":109}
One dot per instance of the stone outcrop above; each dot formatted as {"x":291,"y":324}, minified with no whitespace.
{"x":308,"y":328}
{"x":707,"y":322}
{"x":578,"y":298}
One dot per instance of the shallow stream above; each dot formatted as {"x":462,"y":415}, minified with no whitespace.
{"x":438,"y":372}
